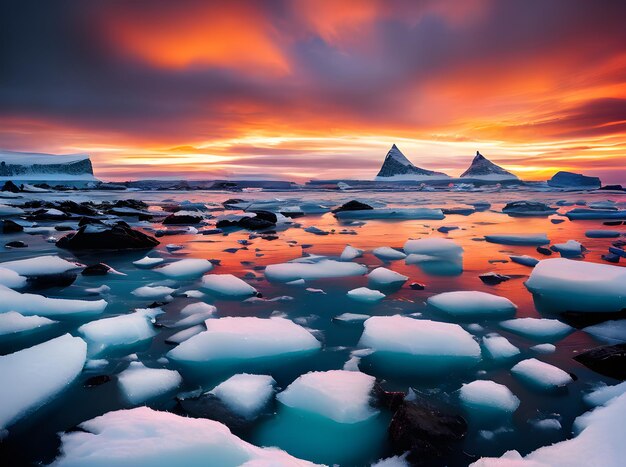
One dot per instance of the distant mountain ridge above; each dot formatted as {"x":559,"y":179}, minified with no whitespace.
{"x":482,"y":168}
{"x":397,"y":167}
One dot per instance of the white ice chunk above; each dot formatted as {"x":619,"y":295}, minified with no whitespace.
{"x":543,"y":348}
{"x":185,"y":334}
{"x":234,"y":338}
{"x":569,"y":249}
{"x":148,"y":262}
{"x":325,"y":268}
{"x":488,"y":395}
{"x":441,"y":248}
{"x":472,"y":303}
{"x":34,"y":376}
{"x":518,"y":239}
{"x":342,"y":396}
{"x":351,"y":317}
{"x":541,"y":329}
{"x":145,"y":437}
{"x":349,"y":253}
{"x":388,"y":253}
{"x":189,"y":267}
{"x":611,"y":332}
{"x":395,"y":461}
{"x":245,"y":394}
{"x":12,"y":322}
{"x":499,"y":348}
{"x":567,"y":285}
{"x":603,"y":394}
{"x":227,"y":285}
{"x":32,"y":304}
{"x":399,"y":334}
{"x":140,"y":384}
{"x":386,"y":277}
{"x":541,"y":374}
{"x":195,"y":308}
{"x":11,"y":279}
{"x":40,"y":266}
{"x":363,"y":294}
{"x":159,"y":291}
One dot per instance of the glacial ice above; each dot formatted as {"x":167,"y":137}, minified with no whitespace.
{"x":435,"y":247}
{"x":541,"y":374}
{"x":561,"y":284}
{"x":482,"y":395}
{"x":12,"y":322}
{"x":518,"y":239}
{"x":32,"y":304}
{"x":40,"y":266}
{"x":392,"y":213}
{"x":139,"y":384}
{"x":387,"y":253}
{"x":11,"y":279}
{"x":142,"y":436}
{"x":603,"y":394}
{"x":349,"y":253}
{"x":236,"y":338}
{"x":569,"y":249}
{"x":34,"y":376}
{"x":386,"y":277}
{"x":343,"y":396}
{"x":498,"y":347}
{"x":245,"y":394}
{"x":472,"y":303}
{"x":541,"y":329}
{"x":185,"y":268}
{"x":316,"y":269}
{"x":227,"y":285}
{"x":363,"y":294}
{"x":153,"y":292}
{"x":148,"y":262}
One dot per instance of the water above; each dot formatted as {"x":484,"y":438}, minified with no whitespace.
{"x":34,"y":438}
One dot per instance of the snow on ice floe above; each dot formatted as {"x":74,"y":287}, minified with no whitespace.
{"x":498,"y":347}
{"x":196,"y":308}
{"x":140,"y":384}
{"x":602,"y":233}
{"x":37,"y":375}
{"x":153,"y":292}
{"x":542,"y":329}
{"x":393,"y":213}
{"x":524,"y":260}
{"x":189,"y":267}
{"x":599,"y":441}
{"x":611,"y":332}
{"x":12,"y":322}
{"x":472,"y":303}
{"x":314,"y":269}
{"x":482,"y":395}
{"x":32,"y":304}
{"x":182,"y":336}
{"x":11,"y":279}
{"x":387,"y":253}
{"x":434,"y":247}
{"x":561,"y":285}
{"x":148,"y":262}
{"x":238,"y":338}
{"x":116,"y":438}
{"x":363,"y":294}
{"x":543,"y":348}
{"x":227,"y":285}
{"x":519,"y":239}
{"x":342,"y":396}
{"x":6,"y":211}
{"x":40,"y":266}
{"x":349,"y":253}
{"x":351,"y":317}
{"x":382,"y":277}
{"x":245,"y":394}
{"x":417,"y":337}
{"x":120,"y":330}
{"x":604,"y":394}
{"x":569,"y":249}
{"x":541,"y":374}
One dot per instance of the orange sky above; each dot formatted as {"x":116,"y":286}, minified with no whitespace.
{"x":318,"y":88}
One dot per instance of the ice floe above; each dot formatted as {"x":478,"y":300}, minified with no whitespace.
{"x":148,"y":262}
{"x":40,"y":266}
{"x":387,"y":253}
{"x":386,"y":277}
{"x":12,"y":322}
{"x":434,"y":247}
{"x":184,"y":268}
{"x":482,"y":395}
{"x":315,"y":269}
{"x":472,"y":303}
{"x":363,"y":294}
{"x":11,"y":279}
{"x":245,"y":394}
{"x":227,"y":285}
{"x":392,"y":213}
{"x":518,"y":239}
{"x":349,"y":253}
{"x":542,"y":329}
{"x":154,"y":292}
{"x":499,"y":348}
{"x":33,"y":304}
{"x":611,"y":332}
{"x":140,"y":384}
{"x":541,"y":374}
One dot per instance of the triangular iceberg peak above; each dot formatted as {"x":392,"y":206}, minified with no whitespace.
{"x":482,"y":168}
{"x":397,"y":167}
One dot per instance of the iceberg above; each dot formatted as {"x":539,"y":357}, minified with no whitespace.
{"x":383,"y":277}
{"x":392,"y":213}
{"x":140,"y":384}
{"x":227,"y":285}
{"x":162,"y":438}
{"x":434,"y":247}
{"x":349,"y":253}
{"x":569,"y":249}
{"x":561,"y":284}
{"x":540,"y":374}
{"x":186,"y":268}
{"x":499,"y":348}
{"x":571,"y":180}
{"x":342,"y":396}
{"x":541,"y":329}
{"x":32,"y":304}
{"x":37,"y":375}
{"x":322,"y":269}
{"x":488,"y":396}
{"x":12,"y":322}
{"x":518,"y":239}
{"x":388,"y":254}
{"x":49,"y":168}
{"x":245,"y":338}
{"x":363,"y":294}
{"x":40,"y":266}
{"x":245,"y":394}
{"x":473,"y":304}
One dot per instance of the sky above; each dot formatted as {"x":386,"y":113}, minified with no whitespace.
{"x":319,"y":89}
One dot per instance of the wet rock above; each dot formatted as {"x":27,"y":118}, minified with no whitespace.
{"x":527,"y":209}
{"x":9,"y":226}
{"x":608,"y":360}
{"x":255,"y":223}
{"x":102,"y":237}
{"x":99,"y":269}
{"x":425,"y":432}
{"x":131,"y":203}
{"x":353,"y":205}
{"x":96,"y":381}
{"x":611,"y":258}
{"x":446,"y":229}
{"x":612,"y":188}
{"x":211,"y":231}
{"x":10,"y":186}
{"x":493,"y":278}
{"x":231,"y":201}
{"x":612,"y":223}
{"x":15,"y":244}
{"x":557,"y":221}
{"x":266,"y":216}
{"x":390,"y":400}
{"x":544,"y":250}
{"x":46,"y":281}
{"x":617,"y":251}
{"x":82,"y":209}
{"x":417,"y":286}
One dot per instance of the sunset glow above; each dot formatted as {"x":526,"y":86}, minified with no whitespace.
{"x":318,"y":89}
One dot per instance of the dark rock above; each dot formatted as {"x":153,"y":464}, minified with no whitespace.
{"x":353,"y":205}
{"x":581,"y":319}
{"x":46,"y":281}
{"x":608,"y":360}
{"x":527,"y":209}
{"x":417,"y":286}
{"x":612,"y":187}
{"x":44,"y":214}
{"x":183,"y":219}
{"x":617,"y":251}
{"x":63,"y":228}
{"x":390,"y":400}
{"x":9,"y":226}
{"x":231,"y":201}
{"x":117,"y":237}
{"x":612,"y":223}
{"x":565,"y":179}
{"x":446,"y":229}
{"x":15,"y":244}
{"x":255,"y":223}
{"x":544,"y":250}
{"x":131,"y":203}
{"x":425,"y":432}
{"x":96,"y":381}
{"x":493,"y":278}
{"x":266,"y":216}
{"x":611,"y":258}
{"x":211,"y":231}
{"x":557,"y":221}
{"x":99,"y":269}
{"x":82,"y":209}
{"x":89,"y":221}
{"x":10,"y":186}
